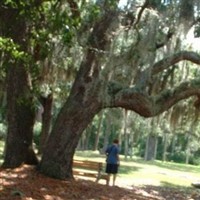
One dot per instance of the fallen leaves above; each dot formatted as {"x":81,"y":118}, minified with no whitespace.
{"x":25,"y":183}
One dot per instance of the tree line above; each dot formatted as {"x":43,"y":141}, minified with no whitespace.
{"x":148,"y":139}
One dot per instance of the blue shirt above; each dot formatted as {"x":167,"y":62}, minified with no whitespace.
{"x":112,"y":154}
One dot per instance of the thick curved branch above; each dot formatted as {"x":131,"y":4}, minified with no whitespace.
{"x":171,"y":60}
{"x":128,"y":98}
{"x":170,"y":97}
{"x":149,"y":106}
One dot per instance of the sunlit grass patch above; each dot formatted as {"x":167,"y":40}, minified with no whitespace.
{"x":139,"y":172}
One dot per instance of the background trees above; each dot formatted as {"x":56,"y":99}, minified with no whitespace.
{"x":90,"y":56}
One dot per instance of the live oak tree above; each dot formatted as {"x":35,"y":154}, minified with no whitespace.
{"x":95,"y":88}
{"x":20,"y":108}
{"x":125,"y":58}
{"x":26,"y":51}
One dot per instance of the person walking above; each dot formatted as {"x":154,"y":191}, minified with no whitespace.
{"x":112,"y":161}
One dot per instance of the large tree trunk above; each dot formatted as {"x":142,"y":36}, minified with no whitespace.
{"x":76,"y":114}
{"x":84,"y":102}
{"x":151,"y":147}
{"x":20,"y":110}
{"x":72,"y":120}
{"x":151,"y":143}
{"x":165,"y":146}
{"x":20,"y":120}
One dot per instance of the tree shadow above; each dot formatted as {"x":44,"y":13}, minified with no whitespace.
{"x":170,"y":191}
{"x":168,"y":165}
{"x":125,"y":169}
{"x":27,"y":183}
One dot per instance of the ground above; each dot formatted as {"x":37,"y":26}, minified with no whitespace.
{"x":26,"y":183}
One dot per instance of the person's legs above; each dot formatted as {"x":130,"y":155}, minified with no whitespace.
{"x":108,"y":180}
{"x":108,"y":171}
{"x":114,"y":172}
{"x":111,"y":169}
{"x":114,"y":179}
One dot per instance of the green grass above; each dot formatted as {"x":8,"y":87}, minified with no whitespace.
{"x":140,"y":172}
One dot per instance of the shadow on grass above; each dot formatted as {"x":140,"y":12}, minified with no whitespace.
{"x":124,"y":169}
{"x":166,"y":184}
{"x":27,"y":183}
{"x":170,"y":191}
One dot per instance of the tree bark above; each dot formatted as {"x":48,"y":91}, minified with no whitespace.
{"x":21,"y":117}
{"x":83,"y":103}
{"x":20,"y":109}
{"x":72,"y":120}
{"x":151,"y":148}
{"x":151,"y":143}
{"x":165,"y":145}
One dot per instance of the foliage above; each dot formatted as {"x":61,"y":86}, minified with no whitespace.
{"x":8,"y":46}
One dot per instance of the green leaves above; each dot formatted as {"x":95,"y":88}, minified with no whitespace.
{"x":13,"y":50}
{"x":11,"y":3}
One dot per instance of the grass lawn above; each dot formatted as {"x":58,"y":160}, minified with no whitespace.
{"x":138,"y":172}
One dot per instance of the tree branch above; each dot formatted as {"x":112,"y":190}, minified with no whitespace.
{"x":144,"y":6}
{"x":173,"y":59}
{"x":149,"y":106}
{"x":145,"y":77}
{"x":170,"y":97}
